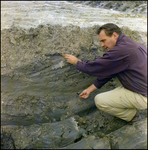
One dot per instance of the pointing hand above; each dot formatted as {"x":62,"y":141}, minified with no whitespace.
{"x":71,"y":59}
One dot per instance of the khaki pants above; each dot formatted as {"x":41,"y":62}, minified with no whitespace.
{"x":121,"y":102}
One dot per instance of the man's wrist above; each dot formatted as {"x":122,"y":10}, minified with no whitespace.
{"x":91,"y":88}
{"x":77,"y":61}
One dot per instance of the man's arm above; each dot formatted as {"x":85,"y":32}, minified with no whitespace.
{"x":73,"y":60}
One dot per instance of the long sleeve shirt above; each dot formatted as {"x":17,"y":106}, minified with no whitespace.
{"x":127,"y":60}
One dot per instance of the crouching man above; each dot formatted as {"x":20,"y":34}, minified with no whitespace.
{"x":124,"y":59}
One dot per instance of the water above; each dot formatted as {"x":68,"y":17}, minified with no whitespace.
{"x":27,"y":14}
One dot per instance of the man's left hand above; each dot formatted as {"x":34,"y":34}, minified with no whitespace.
{"x":71,"y":59}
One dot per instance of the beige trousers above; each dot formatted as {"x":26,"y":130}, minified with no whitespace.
{"x":121,"y":102}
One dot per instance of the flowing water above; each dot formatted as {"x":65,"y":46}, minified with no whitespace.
{"x":27,"y":14}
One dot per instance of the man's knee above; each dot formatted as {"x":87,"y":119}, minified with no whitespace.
{"x":99,"y":101}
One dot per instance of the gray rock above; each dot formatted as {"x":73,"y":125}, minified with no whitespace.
{"x":68,"y":135}
{"x":127,"y":137}
{"x":130,"y":136}
{"x":90,"y":142}
{"x":7,"y":141}
{"x":47,"y":135}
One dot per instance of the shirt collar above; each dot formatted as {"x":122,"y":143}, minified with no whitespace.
{"x":120,"y":37}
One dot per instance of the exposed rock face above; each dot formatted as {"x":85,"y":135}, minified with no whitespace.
{"x":39,"y":80}
{"x":47,"y":135}
{"x":40,"y":107}
{"x":126,"y":137}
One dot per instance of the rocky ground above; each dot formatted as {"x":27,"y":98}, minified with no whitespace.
{"x":40,"y":107}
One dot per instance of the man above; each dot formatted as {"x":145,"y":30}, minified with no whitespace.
{"x":124,"y":59}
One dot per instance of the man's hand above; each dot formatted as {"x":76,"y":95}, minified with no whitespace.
{"x":71,"y":59}
{"x":85,"y":94}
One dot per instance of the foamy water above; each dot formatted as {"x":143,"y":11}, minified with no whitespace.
{"x":27,"y":14}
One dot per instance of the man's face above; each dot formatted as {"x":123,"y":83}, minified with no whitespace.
{"x":106,"y":41}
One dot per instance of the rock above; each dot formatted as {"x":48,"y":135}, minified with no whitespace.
{"x":43,"y":88}
{"x":127,"y":137}
{"x":68,"y":135}
{"x":32,"y":87}
{"x":27,"y":110}
{"x":130,"y":136}
{"x":99,"y":123}
{"x":40,"y":107}
{"x":90,"y":142}
{"x":7,"y":141}
{"x":47,"y":135}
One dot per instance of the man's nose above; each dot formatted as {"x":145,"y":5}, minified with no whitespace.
{"x":102,"y":44}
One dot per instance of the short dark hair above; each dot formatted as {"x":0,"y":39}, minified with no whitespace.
{"x":109,"y":28}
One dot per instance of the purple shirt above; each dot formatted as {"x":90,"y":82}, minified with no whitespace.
{"x":127,"y":60}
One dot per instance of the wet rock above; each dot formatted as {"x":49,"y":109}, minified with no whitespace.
{"x":27,"y":110}
{"x":99,"y":123}
{"x":130,"y":136}
{"x":7,"y":141}
{"x":90,"y":142}
{"x":47,"y":135}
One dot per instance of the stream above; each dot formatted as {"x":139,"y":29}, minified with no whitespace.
{"x":29,"y":14}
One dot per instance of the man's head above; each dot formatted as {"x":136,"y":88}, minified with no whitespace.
{"x":108,"y":35}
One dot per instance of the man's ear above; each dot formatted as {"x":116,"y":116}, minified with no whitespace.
{"x":115,"y":35}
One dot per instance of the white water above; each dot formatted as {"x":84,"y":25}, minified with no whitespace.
{"x":27,"y":14}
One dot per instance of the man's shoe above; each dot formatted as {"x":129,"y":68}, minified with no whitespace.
{"x":137,"y":117}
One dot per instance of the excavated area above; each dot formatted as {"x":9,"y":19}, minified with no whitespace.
{"x":40,"y":107}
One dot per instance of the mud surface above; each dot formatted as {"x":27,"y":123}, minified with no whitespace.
{"x":40,"y":107}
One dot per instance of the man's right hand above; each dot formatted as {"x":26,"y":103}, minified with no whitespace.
{"x":85,"y":94}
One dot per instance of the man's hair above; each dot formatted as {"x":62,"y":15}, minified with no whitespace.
{"x":109,"y":28}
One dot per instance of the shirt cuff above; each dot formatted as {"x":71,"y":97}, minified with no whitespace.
{"x":96,"y":83}
{"x":78,"y":65}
